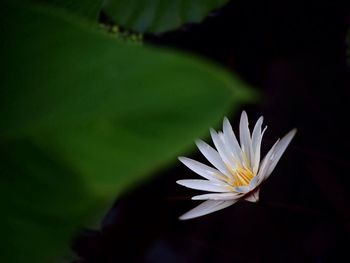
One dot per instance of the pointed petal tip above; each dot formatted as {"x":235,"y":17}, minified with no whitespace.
{"x":212,"y":130}
{"x":253,"y":197}
{"x":181,"y":182}
{"x":184,"y":217}
{"x":213,"y":133}
{"x":260,"y":120}
{"x":226,"y":125}
{"x":182,"y":158}
{"x":226,"y":120}
{"x":199,"y":142}
{"x":289,"y":136}
{"x":244,"y":114}
{"x":188,"y":215}
{"x":293,"y":132}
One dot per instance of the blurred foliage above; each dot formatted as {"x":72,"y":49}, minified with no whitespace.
{"x":158,"y":16}
{"x":84,"y":116}
{"x":121,"y":34}
{"x":88,"y":9}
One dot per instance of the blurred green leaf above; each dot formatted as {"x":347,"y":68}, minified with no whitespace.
{"x":43,"y":203}
{"x":83,"y":117}
{"x":89,"y":9}
{"x":158,"y":16}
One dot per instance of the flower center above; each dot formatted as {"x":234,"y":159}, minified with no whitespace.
{"x":241,"y":176}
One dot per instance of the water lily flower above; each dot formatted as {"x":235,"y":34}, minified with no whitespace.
{"x":238,"y":171}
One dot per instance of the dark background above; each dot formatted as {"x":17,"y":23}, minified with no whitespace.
{"x":294,"y":53}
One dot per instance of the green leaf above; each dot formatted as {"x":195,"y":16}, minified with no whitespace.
{"x":83,"y":117}
{"x":158,"y":16}
{"x":88,"y":9}
{"x":43,"y":203}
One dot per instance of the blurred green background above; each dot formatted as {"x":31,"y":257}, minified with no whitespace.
{"x":89,"y":110}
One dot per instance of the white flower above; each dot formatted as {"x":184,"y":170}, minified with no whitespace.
{"x":238,"y":170}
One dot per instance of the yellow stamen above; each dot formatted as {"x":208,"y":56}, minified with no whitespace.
{"x":241,"y":176}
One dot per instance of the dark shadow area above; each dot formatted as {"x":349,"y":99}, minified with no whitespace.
{"x":294,"y":53}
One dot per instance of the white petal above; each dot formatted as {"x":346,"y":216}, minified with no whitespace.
{"x":204,"y":185}
{"x":224,"y":196}
{"x":220,"y":146}
{"x":266,"y":163}
{"x":207,"y":207}
{"x":253,"y":197}
{"x":257,"y":132}
{"x":203,"y":170}
{"x":212,"y":156}
{"x":232,"y":144}
{"x":245,"y":140}
{"x":256,"y":144}
{"x":279,"y":150}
